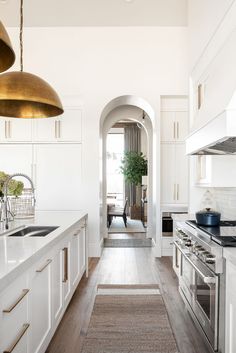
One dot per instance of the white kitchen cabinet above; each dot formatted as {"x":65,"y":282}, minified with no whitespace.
{"x":75,"y":257}
{"x":82,"y":248}
{"x":168,"y":187}
{"x":57,"y":285}
{"x":40,"y":277}
{"x":215,"y":171}
{"x":66,"y":127}
{"x":58,"y":176}
{"x":15,"y":130}
{"x":66,"y":279}
{"x":16,"y":159}
{"x":174,"y":174}
{"x":45,"y":129}
{"x":181,"y":174}
{"x":174,"y":126}
{"x":14,"y":320}
{"x":230,"y":337}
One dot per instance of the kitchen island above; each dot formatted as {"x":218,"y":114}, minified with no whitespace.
{"x":38,"y":276}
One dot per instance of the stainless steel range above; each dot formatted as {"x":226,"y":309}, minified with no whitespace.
{"x":201,"y":270}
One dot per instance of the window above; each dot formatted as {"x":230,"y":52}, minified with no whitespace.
{"x":115,"y":152}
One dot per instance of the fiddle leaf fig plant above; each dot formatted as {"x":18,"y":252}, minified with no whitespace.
{"x":134,"y":166}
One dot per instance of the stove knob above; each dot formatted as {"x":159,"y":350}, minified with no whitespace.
{"x":210,"y":259}
{"x":188,"y":243}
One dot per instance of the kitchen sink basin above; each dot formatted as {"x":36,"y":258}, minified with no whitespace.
{"x":33,"y":231}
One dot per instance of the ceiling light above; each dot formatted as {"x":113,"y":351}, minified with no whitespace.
{"x":7,"y":55}
{"x":24,"y":95}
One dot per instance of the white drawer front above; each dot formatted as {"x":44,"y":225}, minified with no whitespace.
{"x":167,"y":242}
{"x":14,"y":316}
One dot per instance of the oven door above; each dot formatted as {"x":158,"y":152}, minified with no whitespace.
{"x":205,"y":303}
{"x":186,"y":275}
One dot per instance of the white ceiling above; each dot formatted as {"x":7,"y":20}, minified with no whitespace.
{"x":95,"y":12}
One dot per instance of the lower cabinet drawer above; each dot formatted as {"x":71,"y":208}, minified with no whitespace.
{"x":14,"y":321}
{"x":167,"y":243}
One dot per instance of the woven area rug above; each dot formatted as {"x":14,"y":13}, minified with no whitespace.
{"x":129,"y":319}
{"x":133,"y":226}
{"x":128,"y":243}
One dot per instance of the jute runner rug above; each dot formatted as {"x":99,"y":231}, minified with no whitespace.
{"x":129,"y":319}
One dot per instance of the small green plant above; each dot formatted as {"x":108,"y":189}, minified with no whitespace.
{"x":134,"y":166}
{"x":15,"y":187}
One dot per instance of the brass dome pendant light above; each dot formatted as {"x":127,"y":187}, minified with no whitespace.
{"x":24,"y":95}
{"x":7,"y":55}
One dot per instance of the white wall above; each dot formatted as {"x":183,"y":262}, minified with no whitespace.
{"x":99,"y":64}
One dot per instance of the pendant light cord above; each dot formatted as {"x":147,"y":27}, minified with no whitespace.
{"x":21,"y":35}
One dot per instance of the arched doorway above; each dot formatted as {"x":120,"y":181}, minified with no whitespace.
{"x":111,"y":114}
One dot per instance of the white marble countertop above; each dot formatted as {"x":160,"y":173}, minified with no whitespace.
{"x":18,"y":253}
{"x":182,"y":216}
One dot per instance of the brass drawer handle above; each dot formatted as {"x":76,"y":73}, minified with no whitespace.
{"x":65,"y":279}
{"x":24,"y":292}
{"x":44,"y":266}
{"x":18,"y":338}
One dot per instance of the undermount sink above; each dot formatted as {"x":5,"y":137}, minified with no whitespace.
{"x":33,"y":231}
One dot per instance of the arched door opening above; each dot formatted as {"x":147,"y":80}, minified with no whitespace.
{"x":119,"y":114}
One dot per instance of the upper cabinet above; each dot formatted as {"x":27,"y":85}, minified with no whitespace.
{"x":15,"y":130}
{"x":174,"y":119}
{"x":64,"y":128}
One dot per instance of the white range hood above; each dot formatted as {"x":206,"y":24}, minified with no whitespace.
{"x":214,"y":126}
{"x":216,"y":137}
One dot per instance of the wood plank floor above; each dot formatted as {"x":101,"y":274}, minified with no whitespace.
{"x":126,"y":266}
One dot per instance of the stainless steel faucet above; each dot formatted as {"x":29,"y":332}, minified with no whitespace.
{"x":5,"y":190}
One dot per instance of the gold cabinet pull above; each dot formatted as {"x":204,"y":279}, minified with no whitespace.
{"x":9,"y":129}
{"x":5,"y":129}
{"x":174,"y":192}
{"x":65,"y":279}
{"x":59,"y":128}
{"x":55,"y":128}
{"x":177,"y":129}
{"x":44,"y":266}
{"x":23,"y":294}
{"x":174,"y":131}
{"x":177,"y":191}
{"x":18,"y":338}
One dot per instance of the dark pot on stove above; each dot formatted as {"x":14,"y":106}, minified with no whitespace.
{"x":208,"y":218}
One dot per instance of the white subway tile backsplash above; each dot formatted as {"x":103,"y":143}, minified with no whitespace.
{"x":226,"y":202}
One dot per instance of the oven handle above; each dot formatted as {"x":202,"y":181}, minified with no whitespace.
{"x":206,"y":279}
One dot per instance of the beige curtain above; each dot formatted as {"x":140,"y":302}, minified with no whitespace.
{"x":132,"y":139}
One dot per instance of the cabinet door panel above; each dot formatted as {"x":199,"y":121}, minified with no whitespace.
{"x":168,"y":173}
{"x":230,"y":341}
{"x":181,"y":161}
{"x":45,"y":129}
{"x":70,"y":125}
{"x":168,"y":128}
{"x":181,"y":119}
{"x":82,"y":250}
{"x":19,"y":129}
{"x":75,"y":257}
{"x":16,"y":159}
{"x":58,"y":176}
{"x":40,"y":304}
{"x":57,"y":285}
